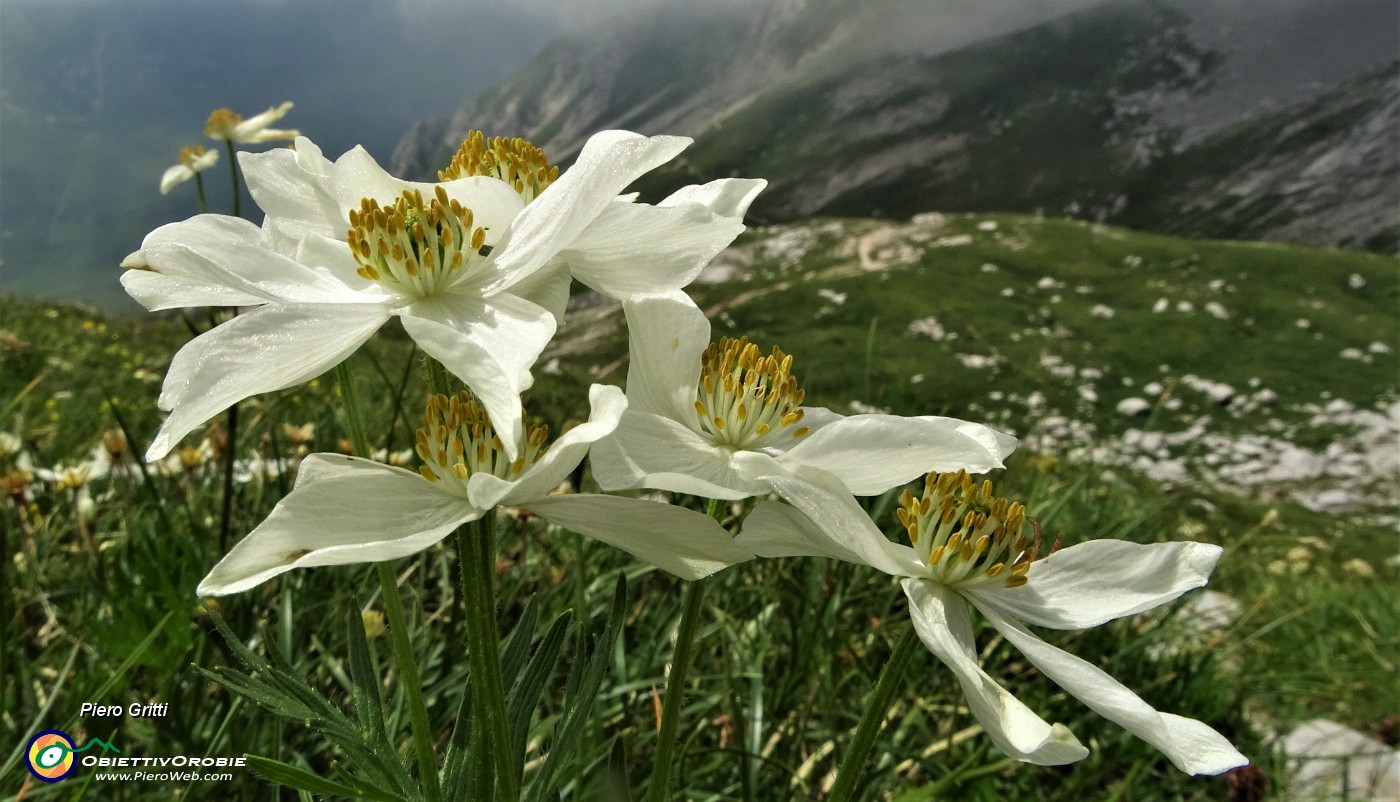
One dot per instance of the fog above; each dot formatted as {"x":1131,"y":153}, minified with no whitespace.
{"x":98,"y":96}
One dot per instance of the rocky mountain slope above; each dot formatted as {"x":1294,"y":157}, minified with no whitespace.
{"x":1178,"y":115}
{"x":1265,"y":371}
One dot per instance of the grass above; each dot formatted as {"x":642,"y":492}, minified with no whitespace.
{"x":102,"y":609}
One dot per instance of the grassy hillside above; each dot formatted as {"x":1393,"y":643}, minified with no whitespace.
{"x":100,"y":605}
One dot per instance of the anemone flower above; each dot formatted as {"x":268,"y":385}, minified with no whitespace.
{"x":696,"y":408}
{"x":350,"y":510}
{"x":969,"y":551}
{"x":227,"y":126}
{"x":192,"y":160}
{"x":470,"y":265}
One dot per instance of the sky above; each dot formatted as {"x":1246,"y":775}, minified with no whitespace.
{"x":98,"y":96}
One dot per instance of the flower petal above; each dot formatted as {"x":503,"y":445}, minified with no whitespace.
{"x":547,"y":287}
{"x":680,"y":541}
{"x":157,"y":291}
{"x":270,"y":348}
{"x":941,"y":620}
{"x":726,"y":197}
{"x":489,"y":344}
{"x":636,"y":249}
{"x":873,"y":453}
{"x":174,"y":177}
{"x":652,"y":451}
{"x":609,"y":161}
{"x":667,"y":335}
{"x":342,"y":510}
{"x":228,"y":256}
{"x":493,"y":203}
{"x":606,"y":404}
{"x":293,"y":187}
{"x":1097,"y":581}
{"x":828,"y":523}
{"x":1190,"y":745}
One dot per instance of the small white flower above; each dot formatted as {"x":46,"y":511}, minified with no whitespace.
{"x":351,"y":510}
{"x":696,"y":407}
{"x":968,"y":551}
{"x":477,"y":267}
{"x":194,"y":159}
{"x":226,"y":126}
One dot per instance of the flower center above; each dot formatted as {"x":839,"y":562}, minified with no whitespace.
{"x":189,"y":154}
{"x":514,"y":161}
{"x":457,"y":440}
{"x":966,"y":535}
{"x":414,"y":247}
{"x":220,"y":125}
{"x":745,"y":399}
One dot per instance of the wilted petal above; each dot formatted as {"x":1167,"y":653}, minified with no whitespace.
{"x":1190,"y":745}
{"x":873,"y":453}
{"x":270,"y":348}
{"x":680,"y":541}
{"x":1097,"y":581}
{"x":342,"y":510}
{"x":942,"y":623}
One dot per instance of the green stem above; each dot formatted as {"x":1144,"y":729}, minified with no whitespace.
{"x":660,"y":786}
{"x":354,"y":420}
{"x":408,"y":678}
{"x":874,"y":716}
{"x":475,"y":556}
{"x":439,"y":380}
{"x":199,"y":193}
{"x":233,"y":176}
{"x":393,"y":610}
{"x":230,"y":452}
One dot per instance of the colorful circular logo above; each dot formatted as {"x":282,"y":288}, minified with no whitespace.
{"x":50,"y":756}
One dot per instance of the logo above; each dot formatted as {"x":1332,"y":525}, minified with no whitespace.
{"x":50,"y":754}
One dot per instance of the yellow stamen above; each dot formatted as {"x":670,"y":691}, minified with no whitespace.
{"x":515,"y":161}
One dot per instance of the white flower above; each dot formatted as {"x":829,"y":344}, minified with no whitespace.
{"x":695,"y":407}
{"x":194,"y":159}
{"x":477,"y":267}
{"x":226,"y":126}
{"x":969,"y":552}
{"x":351,"y":510}
{"x":74,"y":476}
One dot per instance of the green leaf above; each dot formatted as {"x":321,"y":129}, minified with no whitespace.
{"x":301,"y":779}
{"x":615,"y":784}
{"x":518,"y":646}
{"x":369,"y":704}
{"x":525,"y":694}
{"x":583,"y":687}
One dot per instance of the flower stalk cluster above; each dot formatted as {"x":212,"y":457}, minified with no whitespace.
{"x":477,"y":266}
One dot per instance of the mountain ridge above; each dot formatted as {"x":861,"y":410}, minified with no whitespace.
{"x":1086,"y":111}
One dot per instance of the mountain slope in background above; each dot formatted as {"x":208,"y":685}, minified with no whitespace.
{"x":1260,"y":119}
